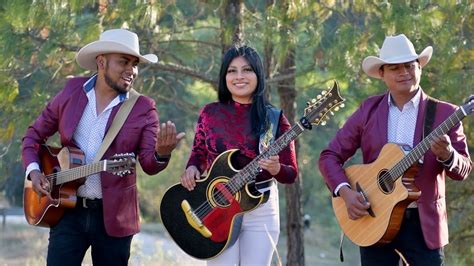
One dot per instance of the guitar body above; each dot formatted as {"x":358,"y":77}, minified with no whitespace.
{"x":219,"y":210}
{"x":388,"y":203}
{"x":42,"y":211}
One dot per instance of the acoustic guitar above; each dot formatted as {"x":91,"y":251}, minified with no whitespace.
{"x":388,"y":184}
{"x":205,"y":221}
{"x":65,"y":171}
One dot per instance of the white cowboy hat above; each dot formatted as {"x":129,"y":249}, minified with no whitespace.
{"x":395,"y":50}
{"x":112,"y":41}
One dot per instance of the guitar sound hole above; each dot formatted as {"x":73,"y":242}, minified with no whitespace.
{"x":385,"y":182}
{"x":219,"y":195}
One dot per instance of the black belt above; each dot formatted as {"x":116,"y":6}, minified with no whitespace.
{"x":411,"y":214}
{"x":88,"y":203}
{"x":265,"y":184}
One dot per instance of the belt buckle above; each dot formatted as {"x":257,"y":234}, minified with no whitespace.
{"x":84,"y":203}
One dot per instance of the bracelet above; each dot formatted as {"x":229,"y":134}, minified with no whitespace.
{"x":162,"y":158}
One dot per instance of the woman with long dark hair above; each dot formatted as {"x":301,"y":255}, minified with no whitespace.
{"x":242,"y":119}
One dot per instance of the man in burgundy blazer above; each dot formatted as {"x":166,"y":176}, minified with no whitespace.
{"x":398,"y":116}
{"x":106,"y":215}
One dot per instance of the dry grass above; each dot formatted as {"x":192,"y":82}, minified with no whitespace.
{"x":22,"y":244}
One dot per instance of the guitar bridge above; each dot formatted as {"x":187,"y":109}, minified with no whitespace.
{"x":193,"y":220}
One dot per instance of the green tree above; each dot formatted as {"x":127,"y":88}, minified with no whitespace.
{"x":326,"y":40}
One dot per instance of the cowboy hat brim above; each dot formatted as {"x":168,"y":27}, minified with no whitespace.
{"x":87,"y":54}
{"x":372,"y":64}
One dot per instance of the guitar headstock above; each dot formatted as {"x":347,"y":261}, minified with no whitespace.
{"x":326,"y":102}
{"x":121,"y":164}
{"x":468,"y":107}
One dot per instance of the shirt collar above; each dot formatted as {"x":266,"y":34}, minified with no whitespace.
{"x":90,"y":84}
{"x":414,"y":101}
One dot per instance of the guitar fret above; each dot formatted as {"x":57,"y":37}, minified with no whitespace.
{"x":251,"y":170}
{"x":79,"y":172}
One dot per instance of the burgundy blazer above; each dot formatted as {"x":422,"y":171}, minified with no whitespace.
{"x":137,"y":135}
{"x":367,"y":129}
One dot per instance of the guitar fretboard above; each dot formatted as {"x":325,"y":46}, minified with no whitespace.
{"x":416,"y":153}
{"x":77,"y":172}
{"x":251,"y":170}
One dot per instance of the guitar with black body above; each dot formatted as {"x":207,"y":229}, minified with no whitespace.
{"x":207,"y":220}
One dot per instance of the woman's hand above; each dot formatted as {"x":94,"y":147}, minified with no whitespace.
{"x":188,"y":178}
{"x":272,"y":164}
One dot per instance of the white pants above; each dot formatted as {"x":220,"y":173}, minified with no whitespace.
{"x":254,"y":247}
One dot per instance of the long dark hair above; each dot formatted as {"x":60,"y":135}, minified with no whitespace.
{"x":258,"y":111}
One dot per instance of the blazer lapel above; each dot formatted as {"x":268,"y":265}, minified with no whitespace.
{"x":80,"y":104}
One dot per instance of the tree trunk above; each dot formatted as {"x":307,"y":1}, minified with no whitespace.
{"x":294,"y":223}
{"x":287,"y":94}
{"x":231,"y":23}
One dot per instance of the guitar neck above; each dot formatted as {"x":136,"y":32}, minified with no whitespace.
{"x":78,"y":172}
{"x":416,"y":153}
{"x":251,"y":170}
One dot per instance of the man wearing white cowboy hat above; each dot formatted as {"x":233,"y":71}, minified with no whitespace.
{"x":106,"y":215}
{"x":399,"y":116}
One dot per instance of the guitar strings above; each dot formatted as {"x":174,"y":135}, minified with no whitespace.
{"x":421,"y":149}
{"x":85,"y":170}
{"x":72,"y":173}
{"x":249,"y":172}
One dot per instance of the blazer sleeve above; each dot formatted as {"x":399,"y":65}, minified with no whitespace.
{"x":40,"y":130}
{"x":146,"y":151}
{"x":461,"y":166}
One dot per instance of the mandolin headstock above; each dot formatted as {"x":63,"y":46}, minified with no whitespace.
{"x":317,"y":111}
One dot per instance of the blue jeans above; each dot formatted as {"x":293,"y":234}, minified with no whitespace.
{"x":81,"y":228}
{"x":409,"y":242}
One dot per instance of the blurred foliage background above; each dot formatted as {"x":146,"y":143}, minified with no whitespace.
{"x":328,"y":41}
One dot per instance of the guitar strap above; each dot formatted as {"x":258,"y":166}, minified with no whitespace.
{"x":430,"y":112}
{"x":118,"y":122}
{"x":429,"y":115}
{"x":266,"y":138}
{"x":269,"y":136}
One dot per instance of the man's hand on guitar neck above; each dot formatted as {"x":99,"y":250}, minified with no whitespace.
{"x":441,"y":147}
{"x":40,"y":184}
{"x":356,"y":205}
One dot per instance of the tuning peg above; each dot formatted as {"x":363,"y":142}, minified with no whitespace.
{"x":324,"y":92}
